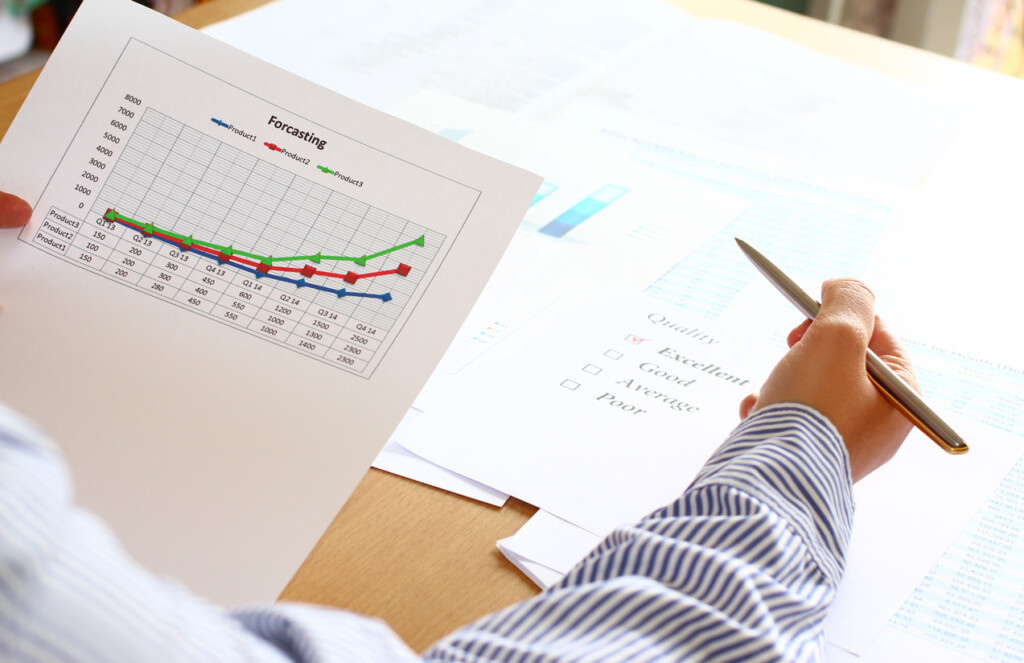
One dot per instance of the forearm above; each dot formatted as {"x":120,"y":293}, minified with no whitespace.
{"x":743,"y":566}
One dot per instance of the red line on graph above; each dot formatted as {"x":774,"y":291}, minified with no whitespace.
{"x":307,"y":271}
{"x":401,"y":270}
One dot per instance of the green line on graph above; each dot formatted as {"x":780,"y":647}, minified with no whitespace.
{"x":228,"y":251}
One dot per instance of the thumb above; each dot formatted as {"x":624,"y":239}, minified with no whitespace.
{"x":14,"y":212}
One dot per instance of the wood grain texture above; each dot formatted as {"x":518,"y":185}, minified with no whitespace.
{"x":420,"y":558}
{"x":12,"y":94}
{"x":206,"y":13}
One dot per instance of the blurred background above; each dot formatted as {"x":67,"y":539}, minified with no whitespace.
{"x":29,"y":29}
{"x":985,"y":33}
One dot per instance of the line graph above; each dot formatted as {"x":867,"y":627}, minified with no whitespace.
{"x":261,"y":266}
{"x":187,"y":217}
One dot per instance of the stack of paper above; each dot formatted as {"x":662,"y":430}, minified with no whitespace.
{"x":574,"y":384}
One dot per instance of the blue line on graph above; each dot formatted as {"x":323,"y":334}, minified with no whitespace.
{"x":583,"y":210}
{"x":299,"y":283}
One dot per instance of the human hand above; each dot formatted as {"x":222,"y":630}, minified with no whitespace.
{"x":825,"y":368}
{"x":14,"y":212}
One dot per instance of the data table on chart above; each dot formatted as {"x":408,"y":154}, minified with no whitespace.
{"x":250,"y":222}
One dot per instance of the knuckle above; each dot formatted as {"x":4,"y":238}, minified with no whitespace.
{"x":850,"y":288}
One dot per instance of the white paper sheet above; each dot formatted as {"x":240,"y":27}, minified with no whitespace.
{"x":396,"y":459}
{"x":965,"y":609}
{"x":949,"y":273}
{"x":593,"y":438}
{"x":538,"y":574}
{"x":749,"y":88}
{"x":906,"y":516}
{"x":548,"y":541}
{"x":607,"y":408}
{"x":631,"y":237}
{"x":217,"y":415}
{"x":521,"y":57}
{"x":815,"y":224}
{"x":805,"y":113}
{"x":597,"y":222}
{"x":908,"y":513}
{"x":716,"y":78}
{"x":963,"y":240}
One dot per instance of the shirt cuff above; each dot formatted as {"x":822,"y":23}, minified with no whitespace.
{"x":792,"y":458}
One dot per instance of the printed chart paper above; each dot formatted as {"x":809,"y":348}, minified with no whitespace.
{"x":608,"y":408}
{"x":597,"y":222}
{"x":233,"y":285}
{"x":522,"y":57}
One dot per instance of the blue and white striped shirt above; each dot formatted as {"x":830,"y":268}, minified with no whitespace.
{"x":743,"y":567}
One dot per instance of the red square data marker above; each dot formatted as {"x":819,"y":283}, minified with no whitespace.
{"x":263,"y":268}
{"x":403,"y":269}
{"x":351,"y":277}
{"x":308,"y":270}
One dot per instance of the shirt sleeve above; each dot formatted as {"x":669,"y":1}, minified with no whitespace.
{"x":742,"y":567}
{"x":68,"y":592}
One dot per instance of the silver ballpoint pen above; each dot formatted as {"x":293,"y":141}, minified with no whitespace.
{"x":899,"y":393}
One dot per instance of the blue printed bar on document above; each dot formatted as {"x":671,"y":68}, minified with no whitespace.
{"x":583,"y":210}
{"x":545,"y":190}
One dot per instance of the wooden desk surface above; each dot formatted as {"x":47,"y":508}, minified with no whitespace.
{"x":425,"y":560}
